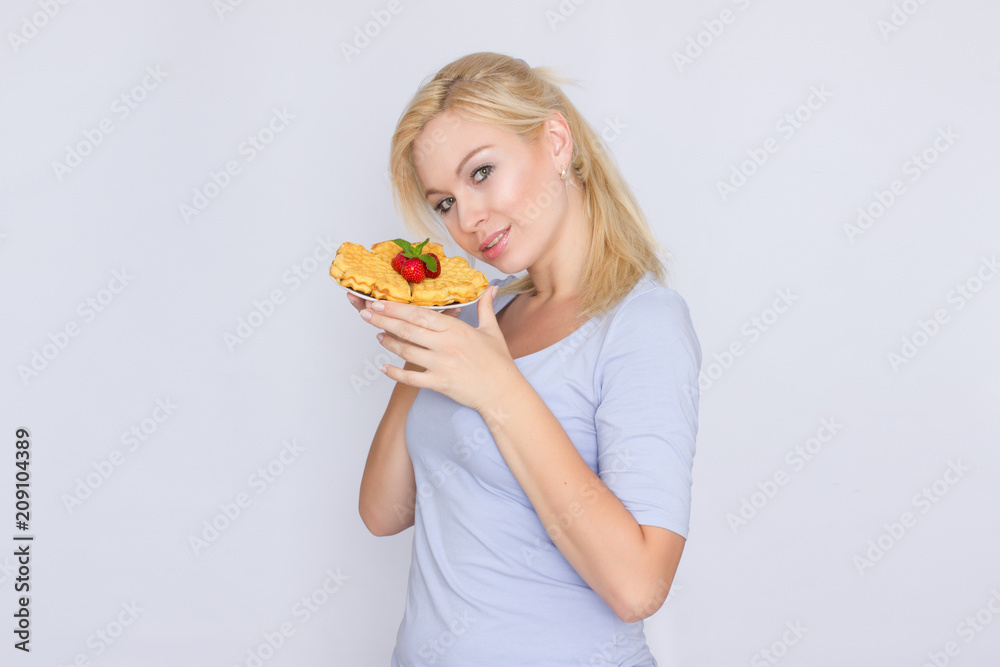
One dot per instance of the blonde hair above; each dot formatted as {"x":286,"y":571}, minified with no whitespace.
{"x":507,"y":93}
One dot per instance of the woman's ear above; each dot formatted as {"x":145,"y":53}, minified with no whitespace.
{"x":560,"y":139}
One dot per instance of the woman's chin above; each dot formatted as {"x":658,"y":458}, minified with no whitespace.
{"x":504,"y":265}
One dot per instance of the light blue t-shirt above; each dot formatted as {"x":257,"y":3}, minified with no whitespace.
{"x":487,"y":586}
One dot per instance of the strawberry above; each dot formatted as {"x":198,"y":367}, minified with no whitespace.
{"x":433,"y":274}
{"x":414,"y":270}
{"x":429,"y":264}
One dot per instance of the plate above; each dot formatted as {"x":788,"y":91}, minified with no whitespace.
{"x":369,"y":297}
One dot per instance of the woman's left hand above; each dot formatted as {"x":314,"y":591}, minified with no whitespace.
{"x":470,"y":365}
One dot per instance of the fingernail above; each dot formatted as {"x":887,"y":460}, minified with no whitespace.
{"x":380,"y":335}
{"x":378,"y":305}
{"x":366,"y":316}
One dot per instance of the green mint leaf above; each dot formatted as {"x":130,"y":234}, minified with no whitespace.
{"x":430,"y":262}
{"x":418,"y":249}
{"x":405,"y":245}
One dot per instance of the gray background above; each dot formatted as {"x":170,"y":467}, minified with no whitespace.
{"x":305,"y":373}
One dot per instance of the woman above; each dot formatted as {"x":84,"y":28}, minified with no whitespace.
{"x":541,"y":442}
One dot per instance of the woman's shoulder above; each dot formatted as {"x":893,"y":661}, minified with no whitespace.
{"x":652,"y":317}
{"x":650,"y":296}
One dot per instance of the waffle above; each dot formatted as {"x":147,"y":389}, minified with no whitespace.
{"x":457,"y":283}
{"x":371,"y":272}
{"x":360,"y":269}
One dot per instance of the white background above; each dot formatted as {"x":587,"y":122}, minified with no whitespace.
{"x":677,"y":129}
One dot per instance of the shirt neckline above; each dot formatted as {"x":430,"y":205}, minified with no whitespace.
{"x":550,"y":347}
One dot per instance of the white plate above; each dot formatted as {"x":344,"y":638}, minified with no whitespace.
{"x":368,"y":297}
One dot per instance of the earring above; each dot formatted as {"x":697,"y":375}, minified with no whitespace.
{"x":565,"y":173}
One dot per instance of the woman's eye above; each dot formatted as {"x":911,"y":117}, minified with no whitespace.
{"x":482,"y":173}
{"x":444,"y":204}
{"x":478,"y":176}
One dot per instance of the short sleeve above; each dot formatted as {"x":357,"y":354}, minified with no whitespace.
{"x":647,"y":417}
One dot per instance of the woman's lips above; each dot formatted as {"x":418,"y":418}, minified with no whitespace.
{"x":494,"y":252}
{"x":489,"y":240}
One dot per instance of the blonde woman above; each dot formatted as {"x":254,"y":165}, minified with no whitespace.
{"x":540,"y":443}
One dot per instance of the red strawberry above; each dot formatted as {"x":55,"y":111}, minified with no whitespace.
{"x":413,"y":255}
{"x":414,"y":270}
{"x":435,"y":273}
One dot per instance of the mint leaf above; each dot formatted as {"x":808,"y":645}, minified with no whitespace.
{"x":405,"y":245}
{"x":430,"y":262}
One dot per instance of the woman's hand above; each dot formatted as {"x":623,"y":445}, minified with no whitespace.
{"x":356,"y":301}
{"x":361,"y":304}
{"x":472,"y":366}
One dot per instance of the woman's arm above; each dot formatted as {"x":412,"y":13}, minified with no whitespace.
{"x":388,"y":488}
{"x":630,"y":566}
{"x":646,"y":381}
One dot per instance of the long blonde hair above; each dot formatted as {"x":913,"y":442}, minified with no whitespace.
{"x":507,"y":93}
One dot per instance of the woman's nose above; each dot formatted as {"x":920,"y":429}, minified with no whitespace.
{"x":471,"y":214}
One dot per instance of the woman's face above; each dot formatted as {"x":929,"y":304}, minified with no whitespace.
{"x":487,"y":183}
